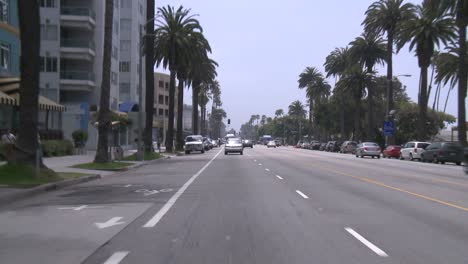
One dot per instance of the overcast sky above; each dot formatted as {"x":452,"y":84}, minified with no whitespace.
{"x":263,"y":45}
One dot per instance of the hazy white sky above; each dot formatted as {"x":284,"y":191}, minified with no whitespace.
{"x":263,"y":45}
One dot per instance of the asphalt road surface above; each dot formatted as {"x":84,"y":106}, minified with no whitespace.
{"x":267,"y":206}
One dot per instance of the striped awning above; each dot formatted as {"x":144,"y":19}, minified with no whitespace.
{"x":45,"y":104}
{"x":6,"y":100}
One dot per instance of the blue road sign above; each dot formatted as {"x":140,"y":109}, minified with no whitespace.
{"x":389,"y":128}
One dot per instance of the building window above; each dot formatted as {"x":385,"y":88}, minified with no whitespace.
{"x":115,"y":53}
{"x":161,"y":84}
{"x":4,"y":56}
{"x":141,"y":9}
{"x":125,"y":25}
{"x":161,"y":112}
{"x":114,"y":78}
{"x":116,"y":27}
{"x":4,"y":11}
{"x":48,"y":64}
{"x":116,"y":4}
{"x":161,"y":99}
{"x":167,"y":86}
{"x":166,"y":112}
{"x":166,"y":101}
{"x":126,"y":3}
{"x":124,"y":44}
{"x":124,"y":66}
{"x":124,"y":87}
{"x":48,"y":3}
{"x":49,"y":32}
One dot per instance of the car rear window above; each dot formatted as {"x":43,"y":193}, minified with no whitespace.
{"x":192,"y":139}
{"x":234,"y":141}
{"x":370,"y":144}
{"x":423,"y":145}
{"x":452,"y":147}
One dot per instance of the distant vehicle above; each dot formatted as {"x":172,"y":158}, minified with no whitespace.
{"x":271,"y":144}
{"x":299,"y":143}
{"x":208,"y":144}
{"x":278,"y":142}
{"x":392,"y":151}
{"x":215,"y":143}
{"x":315,"y":145}
{"x":194,"y":143}
{"x":322,"y":146}
{"x":333,"y":146}
{"x":348,"y":147}
{"x":370,"y":149}
{"x":265,"y":139}
{"x":412,"y":150}
{"x":247,"y":143}
{"x":305,"y":145}
{"x":441,"y":152}
{"x":234,"y":145}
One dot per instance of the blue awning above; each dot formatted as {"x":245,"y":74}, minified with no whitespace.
{"x":128,"y":107}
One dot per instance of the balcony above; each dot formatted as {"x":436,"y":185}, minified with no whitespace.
{"x":78,"y":17}
{"x":77,"y":49}
{"x":77,"y":81}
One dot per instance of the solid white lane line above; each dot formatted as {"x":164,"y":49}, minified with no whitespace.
{"x":267,"y":169}
{"x":279,"y":177}
{"x":366,"y":242}
{"x":116,"y":257}
{"x":302,"y":194}
{"x":157,"y":217}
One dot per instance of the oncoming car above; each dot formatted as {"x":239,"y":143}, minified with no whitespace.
{"x":194,"y":143}
{"x":234,"y":145}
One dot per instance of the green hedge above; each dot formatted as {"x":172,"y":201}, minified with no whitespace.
{"x":56,"y":148}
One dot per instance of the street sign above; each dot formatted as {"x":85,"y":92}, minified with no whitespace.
{"x":389,"y":128}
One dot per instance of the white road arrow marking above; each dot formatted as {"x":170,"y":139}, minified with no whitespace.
{"x":111,"y":222}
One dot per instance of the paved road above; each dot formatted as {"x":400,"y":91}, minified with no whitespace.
{"x":278,"y":205}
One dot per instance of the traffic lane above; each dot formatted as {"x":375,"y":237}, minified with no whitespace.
{"x":408,"y":228}
{"x":235,"y":212}
{"x":447,"y":189}
{"x":68,"y":225}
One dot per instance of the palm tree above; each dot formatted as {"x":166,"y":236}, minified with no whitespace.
{"x":297,"y":111}
{"x":149,"y":73}
{"x":172,"y":39}
{"x":308,"y":79}
{"x":462,"y":22}
{"x":26,"y":145}
{"x":279,"y":113}
{"x":387,"y":16}
{"x":204,"y":96}
{"x":368,"y":50}
{"x":335,"y":65}
{"x":104,"y":122}
{"x":354,"y":80}
{"x":432,"y":26}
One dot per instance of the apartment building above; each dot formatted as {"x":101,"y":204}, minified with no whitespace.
{"x":9,"y":39}
{"x":161,"y":104}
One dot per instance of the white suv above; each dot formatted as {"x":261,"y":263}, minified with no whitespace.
{"x":412,"y":150}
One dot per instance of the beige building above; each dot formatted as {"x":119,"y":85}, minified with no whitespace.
{"x":161,"y":105}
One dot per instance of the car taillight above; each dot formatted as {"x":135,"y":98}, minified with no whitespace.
{"x":365,"y":149}
{"x":415,"y":150}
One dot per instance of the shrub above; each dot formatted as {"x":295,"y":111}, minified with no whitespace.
{"x":79,"y":138}
{"x":56,"y":148}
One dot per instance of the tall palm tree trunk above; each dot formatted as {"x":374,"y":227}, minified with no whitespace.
{"x":180,"y":116}
{"x":25,"y":151}
{"x":170,"y":123}
{"x":149,"y":73}
{"x":423,"y":104}
{"x":389,"y":106}
{"x":357,"y":118}
{"x":203,"y":119}
{"x":195,"y":92}
{"x":311,"y":109}
{"x":370,"y":107}
{"x":342,"y":117}
{"x":462,"y":70}
{"x":104,"y":123}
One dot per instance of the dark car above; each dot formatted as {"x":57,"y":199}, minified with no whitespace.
{"x":392,"y":151}
{"x":323,"y":146}
{"x":315,"y":145}
{"x":207,"y":143}
{"x":247,"y":143}
{"x":441,"y":152}
{"x":348,"y":147}
{"x":333,"y":146}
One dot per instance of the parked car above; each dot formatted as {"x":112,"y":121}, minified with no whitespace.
{"x":392,"y":151}
{"x":234,"y":145}
{"x":441,"y":152}
{"x":208,"y":144}
{"x":333,"y":146}
{"x":348,"y":147}
{"x":271,"y":144}
{"x":322,"y":146}
{"x":278,"y":142}
{"x":247,"y":143}
{"x":412,"y":150}
{"x":305,"y":145}
{"x":194,"y":143}
{"x":214,"y":143}
{"x":299,"y":143}
{"x":466,"y":160}
{"x":370,"y":149}
{"x":315,"y":145}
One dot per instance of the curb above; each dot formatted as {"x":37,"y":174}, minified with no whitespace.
{"x":46,"y":188}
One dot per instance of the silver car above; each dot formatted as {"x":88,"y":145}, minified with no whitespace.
{"x":194,"y":143}
{"x":234,"y":145}
{"x":370,"y":149}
